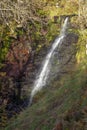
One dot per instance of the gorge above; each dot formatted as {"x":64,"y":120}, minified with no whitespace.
{"x":43,"y":65}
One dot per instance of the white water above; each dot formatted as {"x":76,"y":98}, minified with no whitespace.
{"x":43,"y":76}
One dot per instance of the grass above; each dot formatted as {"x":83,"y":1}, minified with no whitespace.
{"x":56,"y":101}
{"x":64,"y":8}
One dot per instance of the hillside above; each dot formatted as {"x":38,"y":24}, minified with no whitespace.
{"x":63,"y":102}
{"x":27,"y":35}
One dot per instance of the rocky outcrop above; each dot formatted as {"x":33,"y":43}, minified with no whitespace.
{"x":64,"y":58}
{"x":63,"y":17}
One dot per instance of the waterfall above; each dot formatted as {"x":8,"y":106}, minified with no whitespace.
{"x":40,"y":81}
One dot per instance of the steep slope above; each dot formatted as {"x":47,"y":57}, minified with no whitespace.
{"x":63,"y":101}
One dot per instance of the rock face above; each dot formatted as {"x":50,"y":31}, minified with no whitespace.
{"x":62,"y":17}
{"x":64,"y":57}
{"x":67,"y":51}
{"x":62,"y":61}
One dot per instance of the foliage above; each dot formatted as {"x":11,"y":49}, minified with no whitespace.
{"x":62,"y":7}
{"x":21,"y":18}
{"x":19,"y":11}
{"x":82,"y":14}
{"x":22,"y":30}
{"x":81,"y":53}
{"x":5,"y":44}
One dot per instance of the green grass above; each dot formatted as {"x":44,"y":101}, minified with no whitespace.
{"x":56,"y":101}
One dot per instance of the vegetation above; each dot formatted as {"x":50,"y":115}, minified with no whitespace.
{"x":22,"y":31}
{"x":63,"y":100}
{"x":26,"y":31}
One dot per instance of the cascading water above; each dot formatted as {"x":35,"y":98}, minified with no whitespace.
{"x":43,"y":76}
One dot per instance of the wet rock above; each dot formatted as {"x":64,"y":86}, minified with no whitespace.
{"x":64,"y":57}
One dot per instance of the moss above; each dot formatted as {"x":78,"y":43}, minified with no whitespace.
{"x":81,"y":53}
